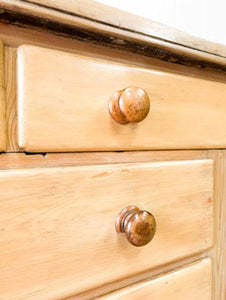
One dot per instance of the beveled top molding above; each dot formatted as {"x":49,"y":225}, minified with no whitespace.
{"x":94,"y":22}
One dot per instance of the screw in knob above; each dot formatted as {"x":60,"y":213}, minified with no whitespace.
{"x":130,"y":105}
{"x":138,"y":225}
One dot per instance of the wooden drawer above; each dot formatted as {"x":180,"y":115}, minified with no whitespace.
{"x":57,"y":225}
{"x":193,"y":282}
{"x":63,"y":106}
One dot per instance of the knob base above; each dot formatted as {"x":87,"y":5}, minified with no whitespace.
{"x":124,"y":216}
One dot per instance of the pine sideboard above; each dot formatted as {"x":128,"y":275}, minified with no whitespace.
{"x":113,"y":160}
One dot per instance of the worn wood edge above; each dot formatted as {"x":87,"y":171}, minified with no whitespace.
{"x":14,"y":36}
{"x":90,"y":10}
{"x":218,"y":252}
{"x":22,"y":160}
{"x":34,"y":16}
{"x":133,"y":287}
{"x":2,"y":99}
{"x":148,"y":275}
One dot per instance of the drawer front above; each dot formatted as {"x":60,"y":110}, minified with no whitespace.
{"x":193,"y":282}
{"x":63,"y":106}
{"x":57,"y":225}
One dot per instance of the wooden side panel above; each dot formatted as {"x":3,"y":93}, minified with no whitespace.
{"x":193,"y":282}
{"x":223,"y":287}
{"x":218,"y":253}
{"x":63,"y":106}
{"x":57,"y":224}
{"x":2,"y":101}
{"x":222,"y":238}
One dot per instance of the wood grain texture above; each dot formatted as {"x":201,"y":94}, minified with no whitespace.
{"x":58,"y":22}
{"x":218,"y":252}
{"x":11,"y":98}
{"x":57,"y":224}
{"x":219,"y":223}
{"x":138,"y":225}
{"x":223,"y":236}
{"x":63,"y":106}
{"x":130,"y":105}
{"x":2,"y":101}
{"x":192,"y":282}
{"x":15,"y":36}
{"x":100,"y":14}
{"x":22,"y":160}
{"x":122,"y":283}
{"x":223,"y":242}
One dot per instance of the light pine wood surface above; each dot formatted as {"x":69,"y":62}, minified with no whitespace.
{"x":16,"y":36}
{"x":11,"y":99}
{"x":57,"y":224}
{"x":57,"y":236}
{"x":2,"y":101}
{"x":63,"y":106}
{"x":193,"y":282}
{"x":223,"y":239}
{"x":22,"y":160}
{"x":218,"y":252}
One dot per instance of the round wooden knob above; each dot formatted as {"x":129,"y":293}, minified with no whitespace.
{"x":138,"y":225}
{"x":130,"y":105}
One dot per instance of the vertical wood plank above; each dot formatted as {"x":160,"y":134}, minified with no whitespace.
{"x":11,"y":111}
{"x":223,"y":207}
{"x":218,"y":252}
{"x":2,"y":101}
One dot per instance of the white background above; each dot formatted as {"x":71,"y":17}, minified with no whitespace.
{"x":202,"y":18}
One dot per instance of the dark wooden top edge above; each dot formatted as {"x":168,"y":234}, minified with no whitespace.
{"x":38,"y":17}
{"x":101,"y":13}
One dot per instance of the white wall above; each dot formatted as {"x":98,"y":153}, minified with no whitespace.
{"x":202,"y":18}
